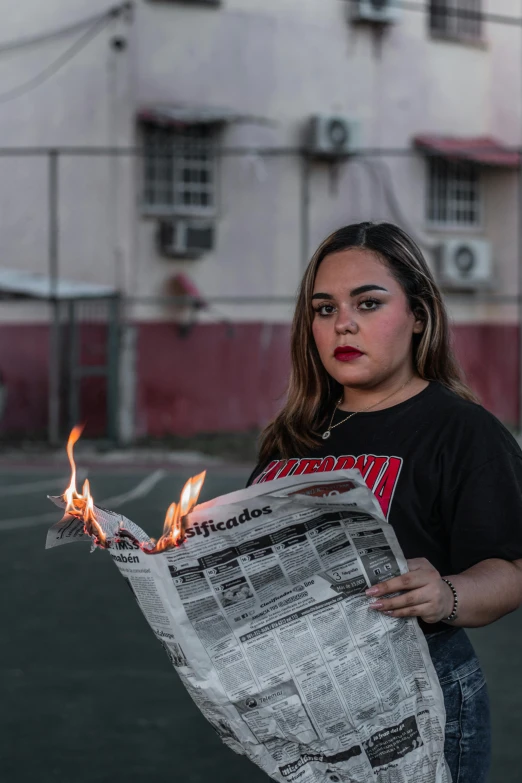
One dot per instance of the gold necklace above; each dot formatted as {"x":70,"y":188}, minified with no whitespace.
{"x":328,"y":432}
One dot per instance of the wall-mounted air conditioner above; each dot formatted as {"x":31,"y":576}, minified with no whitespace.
{"x":465,"y":264}
{"x":185,"y":237}
{"x":376,"y":11}
{"x":331,"y":136}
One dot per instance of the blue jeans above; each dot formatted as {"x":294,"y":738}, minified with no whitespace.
{"x":468,"y":734}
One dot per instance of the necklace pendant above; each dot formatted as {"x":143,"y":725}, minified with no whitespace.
{"x":326,"y":435}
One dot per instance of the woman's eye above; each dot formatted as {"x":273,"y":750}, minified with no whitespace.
{"x":326,"y":309}
{"x":369,"y":304}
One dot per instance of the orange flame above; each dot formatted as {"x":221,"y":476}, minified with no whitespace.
{"x":92,"y":528}
{"x":71,"y":496}
{"x":174,"y":526}
{"x":82,"y":506}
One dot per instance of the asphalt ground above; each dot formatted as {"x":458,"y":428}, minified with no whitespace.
{"x":87,"y":693}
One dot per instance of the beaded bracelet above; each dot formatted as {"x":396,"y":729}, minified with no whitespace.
{"x":453,"y":614}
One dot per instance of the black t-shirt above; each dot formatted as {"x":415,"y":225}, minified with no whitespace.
{"x":446,"y":472}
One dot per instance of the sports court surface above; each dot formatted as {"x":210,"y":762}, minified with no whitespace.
{"x":87,"y":693}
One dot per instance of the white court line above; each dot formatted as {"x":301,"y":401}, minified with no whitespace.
{"x":140,"y":490}
{"x":36,"y":486}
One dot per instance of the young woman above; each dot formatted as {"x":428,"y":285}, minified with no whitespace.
{"x":375,"y":386}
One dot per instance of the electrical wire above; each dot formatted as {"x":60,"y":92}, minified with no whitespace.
{"x":486,"y":16}
{"x":63,"y":32}
{"x":100,"y":24}
{"x":127,"y":6}
{"x":377,"y":169}
{"x":401,"y":4}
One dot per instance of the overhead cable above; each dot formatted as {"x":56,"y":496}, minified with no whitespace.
{"x":63,"y":32}
{"x":56,"y":65}
{"x":381,"y":175}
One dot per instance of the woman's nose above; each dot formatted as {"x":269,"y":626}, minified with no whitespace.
{"x":345,"y":324}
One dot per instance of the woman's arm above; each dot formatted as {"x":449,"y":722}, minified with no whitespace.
{"x":486,"y":591}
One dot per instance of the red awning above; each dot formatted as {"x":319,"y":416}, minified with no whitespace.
{"x":478,"y":149}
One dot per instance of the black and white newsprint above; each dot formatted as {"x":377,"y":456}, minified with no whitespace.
{"x":264,"y":615}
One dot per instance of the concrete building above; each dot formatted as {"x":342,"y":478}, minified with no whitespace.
{"x":211,"y":106}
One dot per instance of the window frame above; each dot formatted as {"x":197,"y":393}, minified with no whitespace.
{"x":180,"y":138}
{"x":452,"y":203}
{"x":456,"y":28}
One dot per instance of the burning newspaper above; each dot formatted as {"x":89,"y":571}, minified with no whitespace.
{"x":262,"y":611}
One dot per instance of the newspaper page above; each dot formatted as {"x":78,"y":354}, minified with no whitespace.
{"x":264,"y":615}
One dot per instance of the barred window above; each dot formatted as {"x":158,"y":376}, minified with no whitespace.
{"x":454,"y":193}
{"x":456,"y":18}
{"x":180,"y":169}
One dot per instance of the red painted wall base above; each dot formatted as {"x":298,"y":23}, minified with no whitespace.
{"x":490,"y":357}
{"x":218,"y":377}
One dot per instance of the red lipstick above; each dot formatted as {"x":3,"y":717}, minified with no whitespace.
{"x":345,"y":353}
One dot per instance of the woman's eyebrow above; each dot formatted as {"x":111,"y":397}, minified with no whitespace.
{"x":322,"y":296}
{"x":362,"y":289}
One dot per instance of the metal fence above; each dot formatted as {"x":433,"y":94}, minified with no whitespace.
{"x":80,"y":214}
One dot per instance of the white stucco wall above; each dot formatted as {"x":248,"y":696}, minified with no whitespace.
{"x":282,"y":60}
{"x":87,"y":102}
{"x":288,"y":60}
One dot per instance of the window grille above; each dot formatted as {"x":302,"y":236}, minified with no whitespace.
{"x":445,"y":19}
{"x":180,"y":169}
{"x":454,"y":193}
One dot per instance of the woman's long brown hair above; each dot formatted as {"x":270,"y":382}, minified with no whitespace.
{"x":312,"y":392}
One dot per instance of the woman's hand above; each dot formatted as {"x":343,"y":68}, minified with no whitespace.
{"x":425,"y":594}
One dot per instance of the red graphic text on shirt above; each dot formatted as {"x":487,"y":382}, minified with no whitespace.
{"x":380,"y":473}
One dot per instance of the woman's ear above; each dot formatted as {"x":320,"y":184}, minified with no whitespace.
{"x":418,"y":326}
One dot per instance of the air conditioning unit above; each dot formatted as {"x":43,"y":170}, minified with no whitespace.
{"x":331,"y":136}
{"x":186,"y":237}
{"x":376,"y":11}
{"x":465,"y":264}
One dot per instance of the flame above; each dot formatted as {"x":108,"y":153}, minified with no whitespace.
{"x":71,"y":496}
{"x":91,"y":526}
{"x":82,"y":506}
{"x":173,"y":528}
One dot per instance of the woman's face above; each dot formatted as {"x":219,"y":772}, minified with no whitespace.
{"x":362,"y":323}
